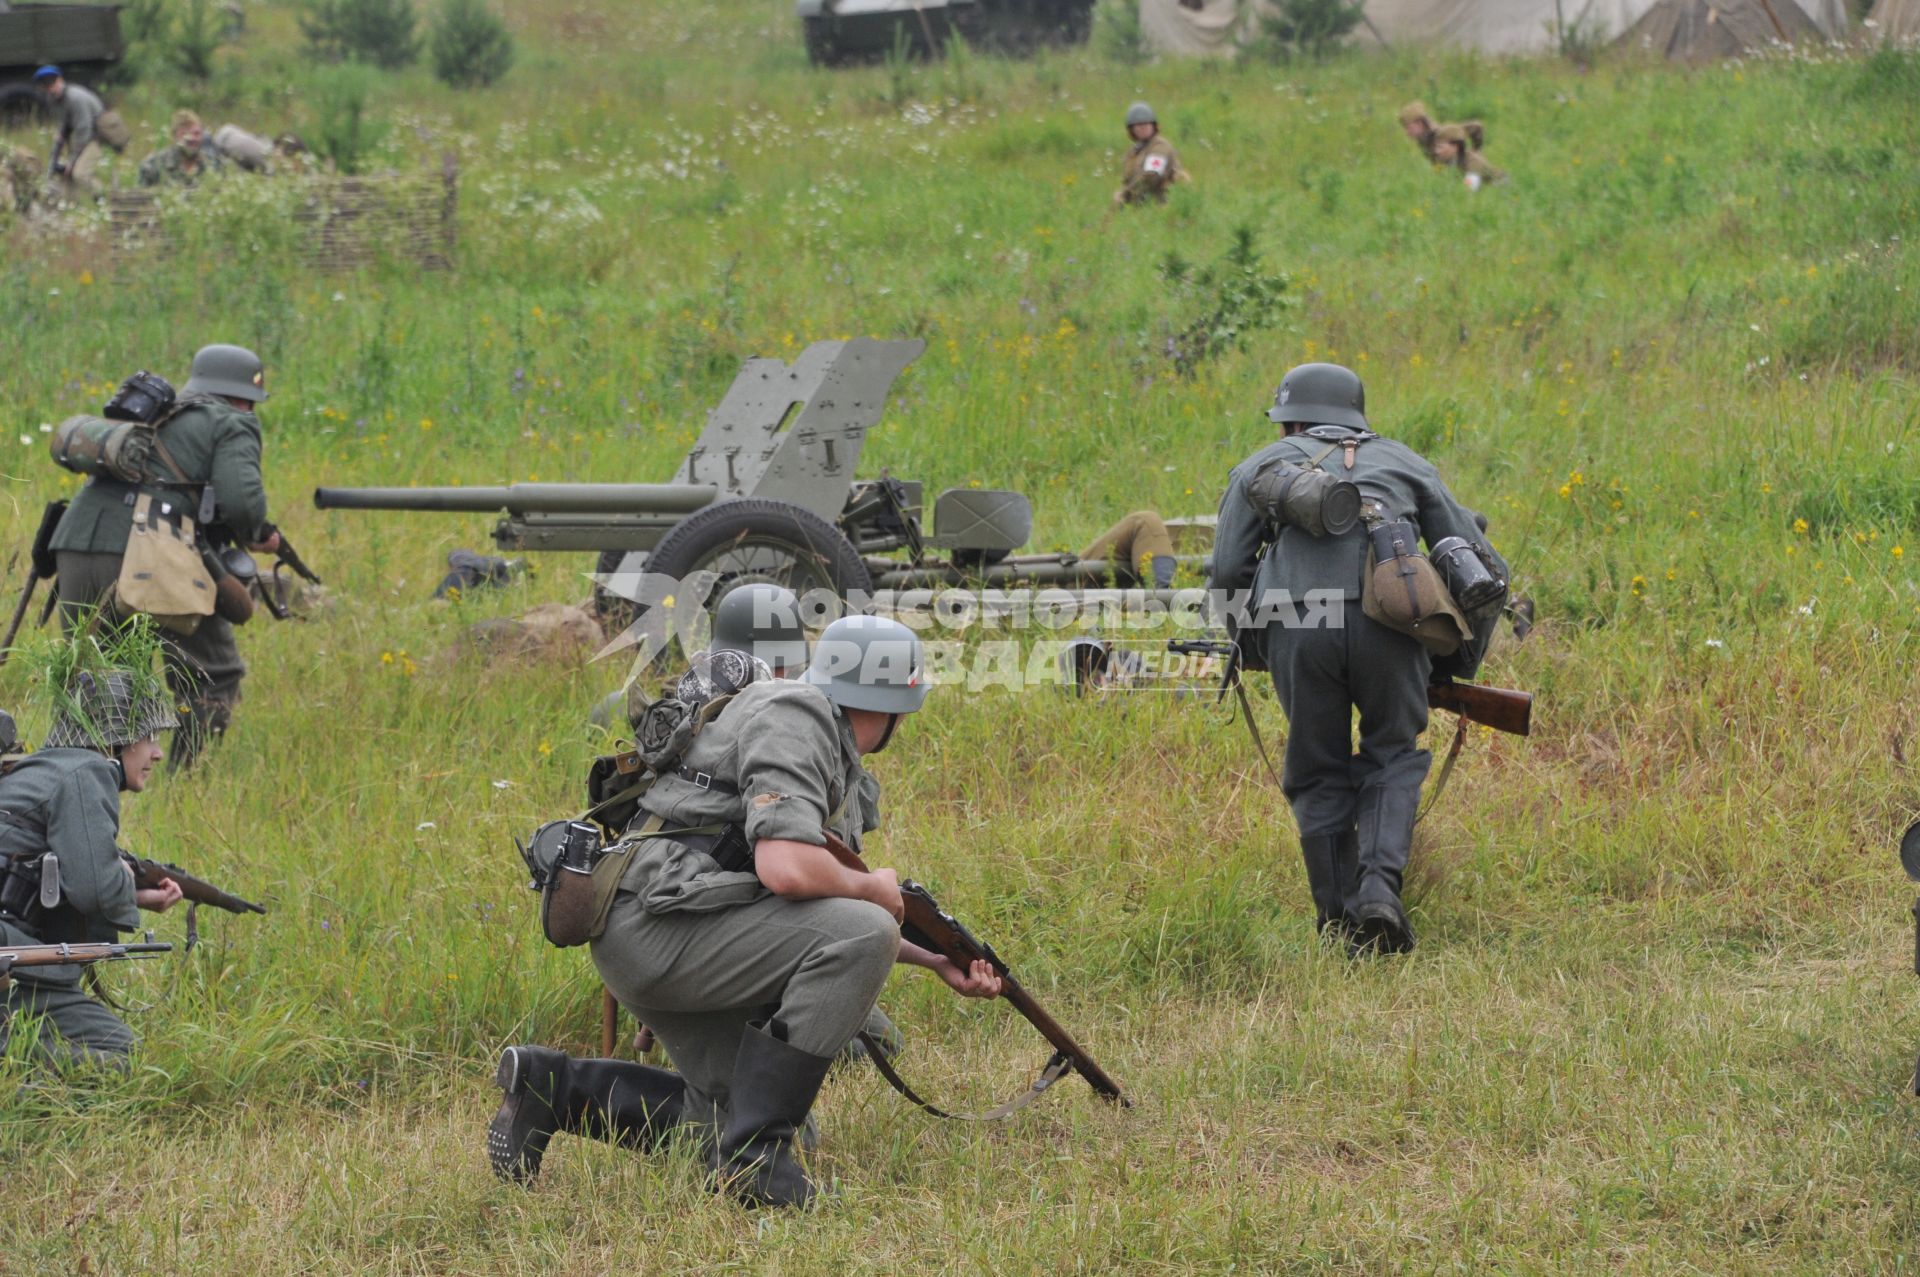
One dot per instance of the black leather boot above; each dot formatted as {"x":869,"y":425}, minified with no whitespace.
{"x":1385,"y":843}
{"x":633,"y":1104}
{"x":773,"y":1089}
{"x":1322,"y":854}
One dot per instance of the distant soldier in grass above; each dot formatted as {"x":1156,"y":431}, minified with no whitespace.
{"x":1140,"y":548}
{"x":211,"y":446}
{"x":1151,"y":165}
{"x":76,"y":136}
{"x":61,"y":806}
{"x":186,"y":161}
{"x":753,"y":954}
{"x":1355,"y":811}
{"x":1454,"y":146}
{"x":19,"y":181}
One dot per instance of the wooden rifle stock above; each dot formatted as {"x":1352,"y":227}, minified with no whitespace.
{"x":934,"y":929}
{"x":58,"y":955}
{"x":1500,"y":708}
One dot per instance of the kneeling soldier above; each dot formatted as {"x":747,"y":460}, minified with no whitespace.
{"x":61,"y":807}
{"x":753,"y":954}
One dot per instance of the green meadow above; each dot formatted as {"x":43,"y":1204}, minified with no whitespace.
{"x":1662,"y":1016}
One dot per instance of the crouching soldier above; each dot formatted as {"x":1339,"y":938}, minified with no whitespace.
{"x":753,"y":954}
{"x":59,"y":817}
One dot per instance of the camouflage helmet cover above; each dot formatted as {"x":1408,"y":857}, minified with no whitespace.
{"x":228,"y":370}
{"x":1320,"y":395}
{"x":762,"y":620}
{"x":108,"y":710}
{"x":872,"y":663}
{"x":1141,"y":113}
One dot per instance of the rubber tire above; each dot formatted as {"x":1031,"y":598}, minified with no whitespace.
{"x":21,"y":105}
{"x":709,"y":531}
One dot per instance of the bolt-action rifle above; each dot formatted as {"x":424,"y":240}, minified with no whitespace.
{"x":56,"y":955}
{"x":934,"y":929}
{"x":195,"y":891}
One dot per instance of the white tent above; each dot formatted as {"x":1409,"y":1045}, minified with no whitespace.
{"x":1897,"y":20}
{"x":1202,"y":27}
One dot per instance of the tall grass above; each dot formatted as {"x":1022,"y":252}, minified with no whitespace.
{"x":1658,"y":1020}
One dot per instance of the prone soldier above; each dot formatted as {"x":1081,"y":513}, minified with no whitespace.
{"x":62,"y":879}
{"x":750,"y":950}
{"x":1450,"y":145}
{"x":1151,"y":165}
{"x":187,"y":160}
{"x":211,"y":446}
{"x":1355,"y":812}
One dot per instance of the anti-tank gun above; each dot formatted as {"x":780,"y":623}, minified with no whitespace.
{"x":768,"y":493}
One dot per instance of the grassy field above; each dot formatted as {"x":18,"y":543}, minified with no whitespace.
{"x":1661,"y":1016}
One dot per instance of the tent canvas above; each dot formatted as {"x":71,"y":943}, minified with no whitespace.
{"x":1198,"y":28}
{"x":1707,"y":30}
{"x":1897,"y":20}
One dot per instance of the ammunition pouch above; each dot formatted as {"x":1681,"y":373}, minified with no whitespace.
{"x":1305,"y":497}
{"x":1402,"y":590}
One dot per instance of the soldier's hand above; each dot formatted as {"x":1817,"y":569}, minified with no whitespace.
{"x":884,"y":886}
{"x":979,"y":980}
{"x":269,"y":546}
{"x":158,"y":899}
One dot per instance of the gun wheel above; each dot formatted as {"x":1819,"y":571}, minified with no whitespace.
{"x":743,"y":542}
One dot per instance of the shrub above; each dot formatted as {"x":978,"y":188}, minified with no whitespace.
{"x":343,"y":132}
{"x":470,"y":44}
{"x":378,"y":31}
{"x":1119,"y":33}
{"x":1310,"y":28}
{"x":196,"y":34}
{"x":1234,"y":296}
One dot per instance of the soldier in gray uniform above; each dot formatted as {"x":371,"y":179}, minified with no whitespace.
{"x":62,"y":804}
{"x":1355,"y":811}
{"x":213,"y":444}
{"x":751,"y":952}
{"x":76,"y":138}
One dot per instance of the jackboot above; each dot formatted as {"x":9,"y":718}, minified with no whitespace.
{"x":1329,"y":886}
{"x":774,"y":1086}
{"x":1385,"y":843}
{"x":546,"y":1091}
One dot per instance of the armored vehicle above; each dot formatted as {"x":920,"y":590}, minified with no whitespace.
{"x":83,"y":40}
{"x":840,"y":31}
{"x":768,"y":492}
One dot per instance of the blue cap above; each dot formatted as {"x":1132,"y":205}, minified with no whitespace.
{"x":48,"y":72}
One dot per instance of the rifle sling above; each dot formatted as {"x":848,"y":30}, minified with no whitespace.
{"x":1446,"y":770}
{"x":1058,"y":1066}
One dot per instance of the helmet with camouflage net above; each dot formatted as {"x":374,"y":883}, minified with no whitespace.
{"x":109,"y":710}
{"x":228,"y":370}
{"x":1141,"y":113}
{"x":1320,"y":395}
{"x":869,"y":662}
{"x":762,"y":620}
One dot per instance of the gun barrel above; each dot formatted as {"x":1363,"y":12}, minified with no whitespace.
{"x":528,"y":498}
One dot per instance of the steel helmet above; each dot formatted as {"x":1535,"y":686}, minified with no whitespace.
{"x":1320,"y":395}
{"x":762,"y":620}
{"x":109,"y":710}
{"x":872,"y":663}
{"x":228,"y":370}
{"x":1141,"y":113}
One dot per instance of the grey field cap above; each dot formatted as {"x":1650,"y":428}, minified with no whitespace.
{"x":872,"y":663}
{"x":1320,"y":395}
{"x":762,"y":620}
{"x":228,"y":370}
{"x":1140,"y":113}
{"x":112,"y":714}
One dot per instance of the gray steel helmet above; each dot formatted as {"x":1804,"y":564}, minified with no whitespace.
{"x":1320,"y":395}
{"x":870,"y":662}
{"x":105,"y":711}
{"x":762,"y":620}
{"x":228,"y":370}
{"x":1141,"y":113}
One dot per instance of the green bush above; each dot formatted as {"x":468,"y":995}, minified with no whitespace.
{"x":470,"y":44}
{"x":1118,"y":32}
{"x":1310,"y":28}
{"x":382,"y":32}
{"x":344,"y":132}
{"x":195,"y":35}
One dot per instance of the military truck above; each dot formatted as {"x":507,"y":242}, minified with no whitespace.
{"x":768,"y":493}
{"x":83,"y":40}
{"x":841,"y":31}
